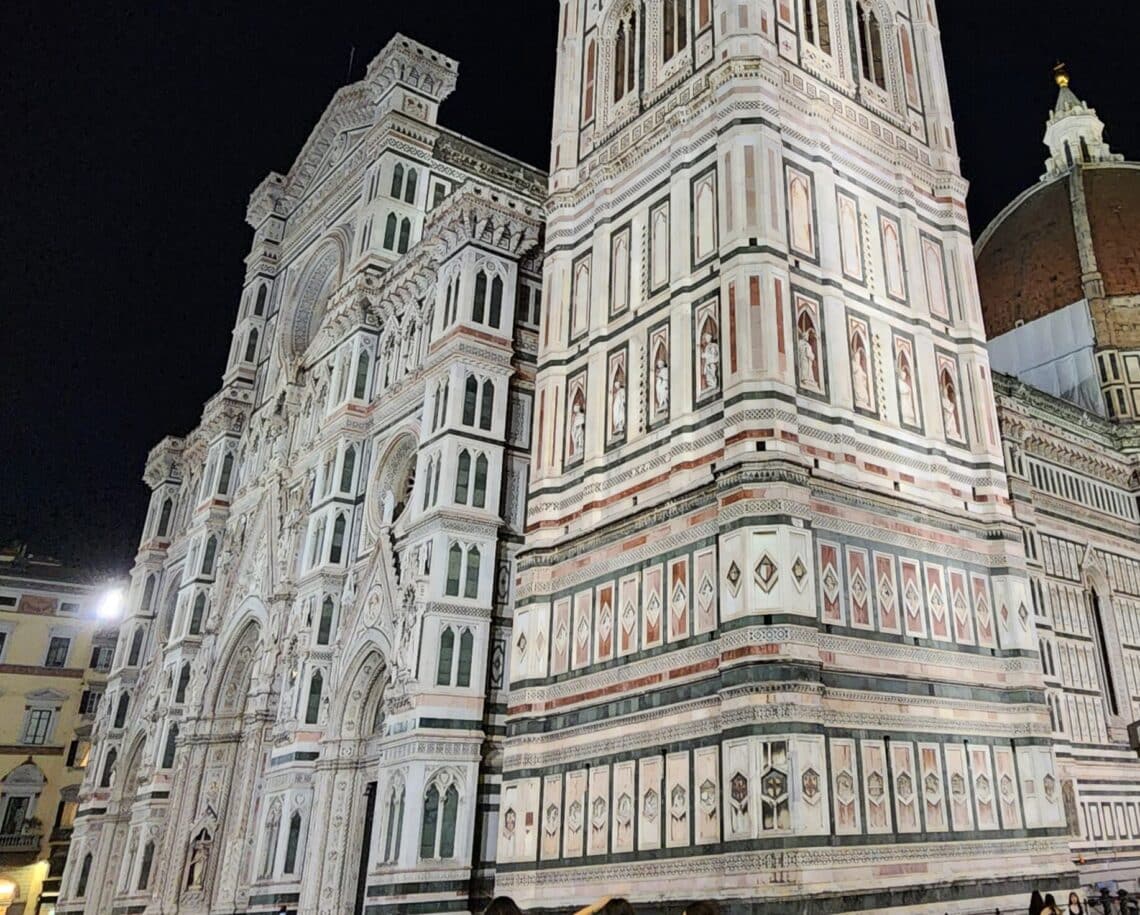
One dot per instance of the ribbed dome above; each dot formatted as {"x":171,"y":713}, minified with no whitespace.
{"x":1028,"y":260}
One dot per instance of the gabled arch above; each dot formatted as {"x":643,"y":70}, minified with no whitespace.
{"x":226,"y":694}
{"x":321,"y":277}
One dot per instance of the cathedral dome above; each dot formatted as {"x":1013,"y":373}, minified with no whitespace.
{"x":1029,"y":259}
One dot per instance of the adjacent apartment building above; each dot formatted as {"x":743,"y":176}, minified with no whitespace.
{"x":55,"y":652}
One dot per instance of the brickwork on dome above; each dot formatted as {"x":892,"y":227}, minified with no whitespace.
{"x":1113,"y":196}
{"x":1029,"y":266}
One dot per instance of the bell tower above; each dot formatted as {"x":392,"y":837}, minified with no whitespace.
{"x":771,"y":615}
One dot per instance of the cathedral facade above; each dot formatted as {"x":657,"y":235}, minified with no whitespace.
{"x":318,"y":619}
{"x":638,"y":529}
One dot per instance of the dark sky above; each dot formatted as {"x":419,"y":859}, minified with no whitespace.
{"x":133,"y":133}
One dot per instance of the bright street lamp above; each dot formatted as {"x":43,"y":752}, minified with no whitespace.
{"x":111,"y":605}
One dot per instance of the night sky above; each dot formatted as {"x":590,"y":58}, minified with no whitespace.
{"x":133,"y":134}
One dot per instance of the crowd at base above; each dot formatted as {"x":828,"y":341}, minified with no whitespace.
{"x":1106,"y":903}
{"x":608,"y":906}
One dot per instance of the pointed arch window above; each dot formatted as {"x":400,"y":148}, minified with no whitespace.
{"x":390,"y":226}
{"x":198,"y":613}
{"x":487,"y":405}
{"x":164,"y":517}
{"x":463,"y":477}
{"x":471,"y":583}
{"x":313,"y":705}
{"x":360,"y":388}
{"x":454,"y":569}
{"x":466,"y":649}
{"x":447,"y":826}
{"x":324,"y":628}
{"x":405,"y":236}
{"x":251,"y":346}
{"x":148,"y":593}
{"x":495,"y":317}
{"x":262,"y":294}
{"x":183,"y":683}
{"x":626,"y":56}
{"x":1104,"y":659}
{"x":209,"y":556}
{"x":109,"y":768}
{"x":470,"y":400}
{"x":348,"y":469}
{"x":479,"y":496}
{"x":84,"y":876}
{"x":446,"y":654}
{"x":441,"y":811}
{"x":272,"y":830}
{"x":427,"y":485}
{"x":394,"y":829}
{"x":336,"y":548}
{"x":675,"y":28}
{"x":136,"y":648}
{"x":817,"y":24}
{"x":397,"y":181}
{"x":170,"y":748}
{"x":410,"y":187}
{"x":480,"y":303}
{"x":870,"y":45}
{"x":591,"y":77}
{"x":430,"y":823}
{"x":226,"y":476}
{"x":121,"y":710}
{"x":293,"y":842}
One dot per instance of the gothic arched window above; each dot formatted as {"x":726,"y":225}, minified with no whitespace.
{"x":390,"y":226}
{"x":479,"y":496}
{"x":136,"y":648}
{"x":410,"y":187}
{"x":209,"y":556}
{"x":454,"y":569}
{"x":470,"y":400}
{"x":446,"y":653}
{"x":395,"y":824}
{"x":348,"y":469}
{"x":817,"y":24}
{"x":471,"y":583}
{"x":336,"y":548}
{"x":360,"y":388}
{"x":405,"y":236}
{"x":272,"y":829}
{"x":171,"y":746}
{"x":675,"y":28}
{"x":109,"y":769}
{"x":183,"y":682}
{"x":121,"y":710}
{"x":479,"y":304}
{"x":148,"y":593}
{"x":198,"y":613}
{"x":627,"y":47}
{"x":147,"y":863}
{"x":84,"y":876}
{"x":495,"y":317}
{"x":870,"y":45}
{"x":487,"y":405}
{"x":324,"y":629}
{"x":262,"y":293}
{"x":226,"y":475}
{"x":164,"y":518}
{"x":463,"y":477}
{"x":397,"y":181}
{"x":466,"y":649}
{"x":251,"y":346}
{"x":293,"y":842}
{"x":441,"y":811}
{"x":588,"y":83}
{"x":313,"y":706}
